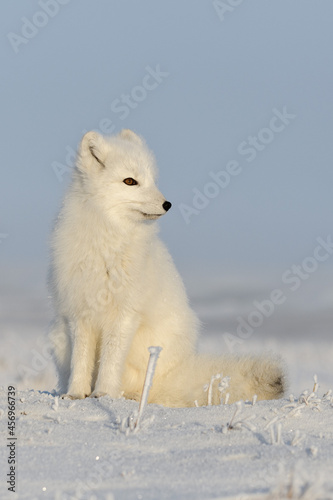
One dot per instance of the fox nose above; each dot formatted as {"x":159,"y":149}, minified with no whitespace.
{"x":166,"y":205}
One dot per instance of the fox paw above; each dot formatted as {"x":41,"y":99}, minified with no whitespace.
{"x":74,"y":396}
{"x":98,"y":394}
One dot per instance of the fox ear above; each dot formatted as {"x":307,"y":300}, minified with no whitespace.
{"x":92,"y":152}
{"x":129,"y":135}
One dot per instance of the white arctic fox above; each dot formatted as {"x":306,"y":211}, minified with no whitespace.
{"x":117,"y":292}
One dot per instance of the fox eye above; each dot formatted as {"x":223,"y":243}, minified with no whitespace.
{"x":130,"y":182}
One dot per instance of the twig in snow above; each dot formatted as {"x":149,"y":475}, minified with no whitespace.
{"x":272,"y":421}
{"x":328,"y":395}
{"x":297,"y":439}
{"x":226,"y":428}
{"x":154,"y":354}
{"x":223,"y":385}
{"x":310,"y":399}
{"x":315,"y":386}
{"x":245,"y":422}
{"x":209,"y":387}
{"x":127,"y":424}
{"x":131,"y":423}
{"x":276,"y":433}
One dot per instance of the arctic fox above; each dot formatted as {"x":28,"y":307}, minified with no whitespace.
{"x":117,"y":292}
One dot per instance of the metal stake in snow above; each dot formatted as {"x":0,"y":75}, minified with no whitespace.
{"x":154,"y":354}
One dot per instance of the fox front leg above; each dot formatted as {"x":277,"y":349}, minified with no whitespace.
{"x":82,"y":361}
{"x":115,"y":346}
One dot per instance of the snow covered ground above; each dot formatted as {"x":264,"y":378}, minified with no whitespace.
{"x":272,"y":450}
{"x":76,"y":449}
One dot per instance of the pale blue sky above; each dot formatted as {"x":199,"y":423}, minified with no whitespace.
{"x":225,"y":78}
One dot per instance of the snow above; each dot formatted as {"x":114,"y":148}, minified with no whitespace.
{"x":85,"y":449}
{"x":76,"y":449}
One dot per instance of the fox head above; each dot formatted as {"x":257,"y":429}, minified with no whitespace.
{"x":118,"y":175}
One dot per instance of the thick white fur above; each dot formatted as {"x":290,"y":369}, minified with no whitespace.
{"x":117,"y":292}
